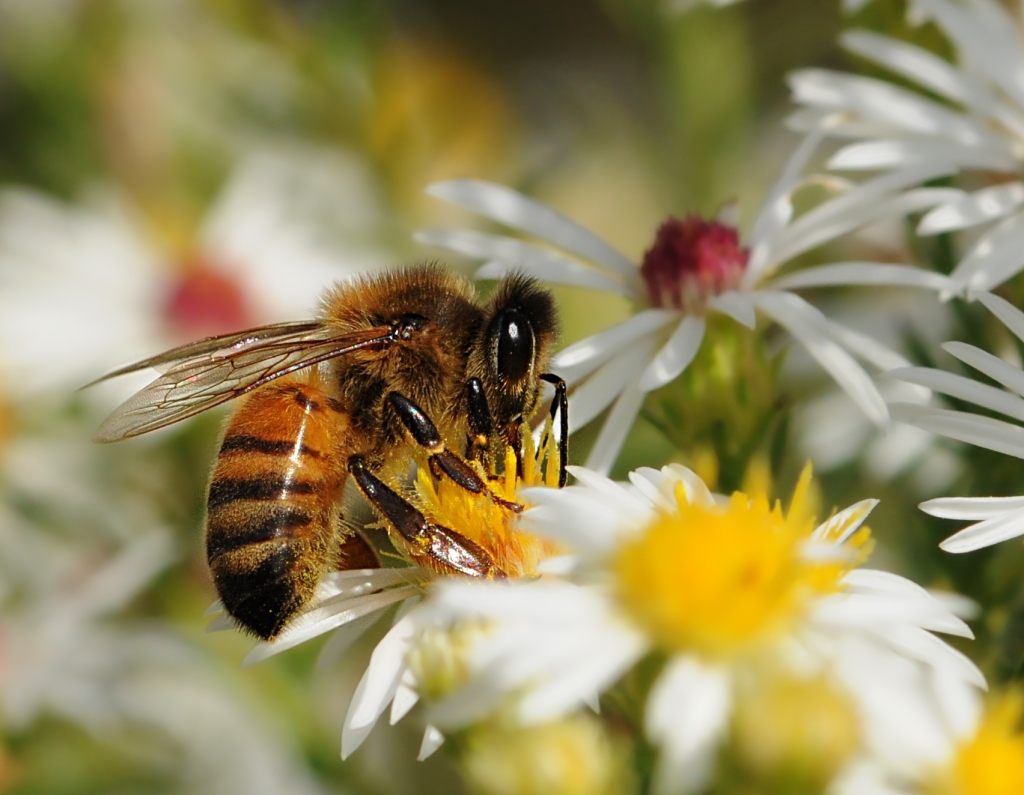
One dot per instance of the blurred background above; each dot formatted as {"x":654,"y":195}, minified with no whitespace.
{"x":177,"y":168}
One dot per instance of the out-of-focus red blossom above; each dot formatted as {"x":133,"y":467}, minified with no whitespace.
{"x":205,"y":301}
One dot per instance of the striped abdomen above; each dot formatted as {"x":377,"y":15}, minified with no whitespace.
{"x":271,"y":514}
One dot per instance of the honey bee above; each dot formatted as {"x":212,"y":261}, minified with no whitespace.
{"x":408,"y":357}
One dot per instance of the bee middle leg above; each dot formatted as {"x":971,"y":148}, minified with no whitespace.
{"x":442,"y":460}
{"x":431,"y":545}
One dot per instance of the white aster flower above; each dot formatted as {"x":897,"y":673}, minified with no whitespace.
{"x":723,"y":589}
{"x":695,"y":267}
{"x":348,"y":603}
{"x":996,"y":518}
{"x":975,"y":125}
{"x":83,"y":289}
{"x":972,"y":748}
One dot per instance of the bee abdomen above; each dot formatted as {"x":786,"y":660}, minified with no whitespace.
{"x":261,"y":488}
{"x":235,"y":533}
{"x":271,"y":506}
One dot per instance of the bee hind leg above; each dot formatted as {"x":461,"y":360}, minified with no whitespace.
{"x":442,"y":460}
{"x":430,"y":545}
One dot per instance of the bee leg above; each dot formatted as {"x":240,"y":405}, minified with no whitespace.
{"x":442,"y":460}
{"x":481,"y":424}
{"x":432,"y":545}
{"x":560,"y":406}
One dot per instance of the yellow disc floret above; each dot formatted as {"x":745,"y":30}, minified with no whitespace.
{"x":722,"y":579}
{"x":491,"y":522}
{"x":992,"y":761}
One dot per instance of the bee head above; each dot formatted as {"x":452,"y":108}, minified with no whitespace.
{"x":519,"y":330}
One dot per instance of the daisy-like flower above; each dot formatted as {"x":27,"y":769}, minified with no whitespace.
{"x":85,"y":289}
{"x":727,"y":591}
{"x":349,"y":602}
{"x":975,"y":748}
{"x":968,"y":116}
{"x":995,"y":518}
{"x":695,"y":266}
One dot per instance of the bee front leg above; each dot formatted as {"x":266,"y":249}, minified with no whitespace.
{"x":442,"y":460}
{"x":560,"y":406}
{"x":481,"y":424}
{"x":430,"y":545}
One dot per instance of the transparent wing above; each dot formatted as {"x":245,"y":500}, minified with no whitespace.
{"x":205,"y":374}
{"x":210,"y":345}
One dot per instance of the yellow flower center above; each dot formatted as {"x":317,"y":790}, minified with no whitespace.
{"x":575,"y":756}
{"x":722,"y":580}
{"x":490,"y":522}
{"x":798,"y":730}
{"x":992,"y":761}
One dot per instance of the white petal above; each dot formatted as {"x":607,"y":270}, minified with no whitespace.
{"x":1008,"y":314}
{"x":998,"y":255}
{"x":585,"y":356}
{"x":519,"y":212}
{"x":319,"y":620}
{"x":405,"y":697}
{"x":986,"y":533}
{"x":576,"y":520}
{"x":922,"y":67}
{"x":981,"y":206}
{"x":222,"y":623}
{"x":922,"y":645}
{"x":811,"y":329}
{"x":508,"y":255}
{"x":985,"y":432}
{"x":963,"y":388}
{"x":593,"y":671}
{"x":992,"y":366}
{"x":885,"y":103}
{"x":872,"y":611}
{"x":849,"y":520}
{"x":377,"y":686}
{"x":885,"y":154}
{"x":613,"y":379}
{"x":432,"y":740}
{"x":777,"y":209}
{"x":688,"y":712}
{"x":675,"y":355}
{"x":616,"y":427}
{"x":971,"y":508}
{"x":343,"y":637}
{"x":987,"y":38}
{"x":867,"y":348}
{"x":870,"y":201}
{"x":216,"y":607}
{"x":862,"y":273}
{"x":737,"y":306}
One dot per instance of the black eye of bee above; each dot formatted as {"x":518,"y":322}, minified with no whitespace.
{"x":516,"y":343}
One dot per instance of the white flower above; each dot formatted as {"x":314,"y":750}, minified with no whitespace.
{"x":85,"y":289}
{"x":695,"y":267}
{"x":347,"y":603}
{"x":976,"y":125}
{"x":725,"y":590}
{"x":997,"y":518}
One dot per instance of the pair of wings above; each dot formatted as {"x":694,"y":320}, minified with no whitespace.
{"x":204,"y":374}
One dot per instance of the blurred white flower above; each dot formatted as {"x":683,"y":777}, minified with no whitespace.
{"x":970,"y":748}
{"x":694,"y":267}
{"x":725,"y":589}
{"x":976,"y":124}
{"x":997,"y":518}
{"x":83,"y":289}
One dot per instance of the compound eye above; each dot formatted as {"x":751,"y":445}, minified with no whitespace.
{"x":515,"y":346}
